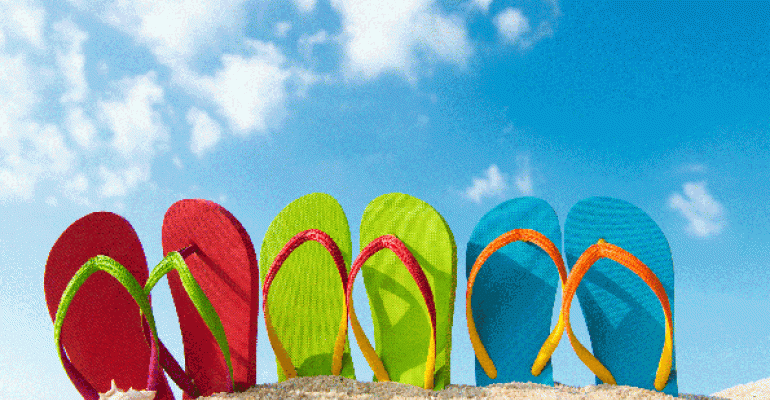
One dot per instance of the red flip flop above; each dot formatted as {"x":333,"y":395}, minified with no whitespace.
{"x":102,"y":334}
{"x":221,"y":258}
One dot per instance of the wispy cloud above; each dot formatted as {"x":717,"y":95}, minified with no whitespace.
{"x":305,"y":6}
{"x":511,"y":24}
{"x":702,"y":211}
{"x":482,"y":5}
{"x":378,"y":39}
{"x":493,"y":184}
{"x":250,"y":91}
{"x":524,"y":175}
{"x":514,"y":28}
{"x":205,"y":131}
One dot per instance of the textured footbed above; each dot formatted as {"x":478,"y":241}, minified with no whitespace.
{"x":102,"y":332}
{"x":624,"y":317}
{"x":399,"y":314}
{"x":514,"y":291}
{"x":225,"y":267}
{"x":306,"y":296}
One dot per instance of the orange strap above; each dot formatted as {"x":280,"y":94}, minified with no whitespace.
{"x":628,"y":260}
{"x":536,"y":238}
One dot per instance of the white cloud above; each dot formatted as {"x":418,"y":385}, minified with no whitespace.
{"x":379,"y":39}
{"x":698,"y":168}
{"x":51,"y":201}
{"x":24,"y":19}
{"x":306,"y":43}
{"x":524,"y":177}
{"x":514,"y":28}
{"x":305,"y":6}
{"x":118,"y":182}
{"x":511,"y":24}
{"x":80,"y":127}
{"x":177,"y":162}
{"x":77,"y":185}
{"x":493,"y":184}
{"x":205,"y":131}
{"x":704,"y":213}
{"x":71,"y":60}
{"x":249,"y":91}
{"x":29,"y":151}
{"x":137,"y":127}
{"x":483,"y":5}
{"x":282,"y":28}
{"x":174,"y":30}
{"x":138,"y":134}
{"x":50,"y":150}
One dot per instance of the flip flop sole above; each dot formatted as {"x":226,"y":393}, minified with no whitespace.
{"x":401,"y":323}
{"x":624,"y":317}
{"x":102,"y":334}
{"x":306,"y":296}
{"x":225,"y":267}
{"x":514,"y":291}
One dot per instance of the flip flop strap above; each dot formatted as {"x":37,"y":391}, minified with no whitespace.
{"x":112,"y":267}
{"x":628,"y":260}
{"x":172,"y":367}
{"x":339,"y":346}
{"x":407,"y":258}
{"x":175,"y":262}
{"x":540,"y":240}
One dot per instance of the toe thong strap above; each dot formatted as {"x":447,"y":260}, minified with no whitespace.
{"x":339,"y":345}
{"x":407,"y":258}
{"x":112,"y":267}
{"x":174,"y":262}
{"x":540,"y":240}
{"x":628,"y":260}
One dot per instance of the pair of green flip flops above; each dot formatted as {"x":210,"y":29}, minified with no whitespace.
{"x":307,"y":278}
{"x":620,"y":266}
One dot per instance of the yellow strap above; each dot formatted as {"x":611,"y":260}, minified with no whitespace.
{"x":606,"y":250}
{"x":552,"y":342}
{"x":283,"y":356}
{"x":407,"y":258}
{"x":280,"y":353}
{"x":366,"y":347}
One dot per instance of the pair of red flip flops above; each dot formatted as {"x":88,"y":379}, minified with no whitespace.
{"x":103,"y":336}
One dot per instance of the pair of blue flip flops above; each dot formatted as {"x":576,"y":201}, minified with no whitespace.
{"x":514,"y":292}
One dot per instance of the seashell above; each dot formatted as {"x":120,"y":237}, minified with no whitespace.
{"x":116,"y":394}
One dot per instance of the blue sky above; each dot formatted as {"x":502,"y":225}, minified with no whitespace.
{"x":128,"y":106}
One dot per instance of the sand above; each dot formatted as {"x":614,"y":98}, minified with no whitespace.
{"x":335,"y":387}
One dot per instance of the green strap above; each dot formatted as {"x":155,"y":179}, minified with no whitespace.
{"x":119,"y":272}
{"x":174,"y":261}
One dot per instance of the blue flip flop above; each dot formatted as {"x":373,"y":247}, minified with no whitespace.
{"x":623,"y":315}
{"x":512,"y":292}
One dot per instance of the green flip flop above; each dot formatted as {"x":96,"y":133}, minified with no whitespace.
{"x":303,"y":264}
{"x":402,"y":326}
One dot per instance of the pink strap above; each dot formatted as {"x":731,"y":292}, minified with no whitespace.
{"x":154,"y":374}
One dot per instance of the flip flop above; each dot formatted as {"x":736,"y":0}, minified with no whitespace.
{"x":102,"y":334}
{"x":304,"y":265}
{"x":412,"y":346}
{"x":516,"y":268}
{"x":221,"y":258}
{"x":622,"y":313}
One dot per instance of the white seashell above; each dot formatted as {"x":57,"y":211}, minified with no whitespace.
{"x":116,"y":394}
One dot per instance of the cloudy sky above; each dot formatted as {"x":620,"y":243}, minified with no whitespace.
{"x":130,"y":105}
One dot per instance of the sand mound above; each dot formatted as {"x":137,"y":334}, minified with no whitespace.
{"x":335,"y":387}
